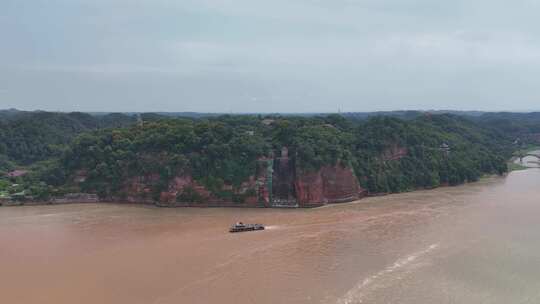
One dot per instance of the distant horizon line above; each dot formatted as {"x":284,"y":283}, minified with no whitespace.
{"x":270,"y":113}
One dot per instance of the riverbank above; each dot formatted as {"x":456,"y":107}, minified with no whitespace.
{"x":513,"y":166}
{"x":94,"y":199}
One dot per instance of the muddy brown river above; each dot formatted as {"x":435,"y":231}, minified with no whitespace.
{"x":478,"y":243}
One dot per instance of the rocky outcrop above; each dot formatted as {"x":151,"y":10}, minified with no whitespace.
{"x":138,"y":189}
{"x":277,"y":182}
{"x":183,"y":190}
{"x":331,"y":184}
{"x":310,"y":189}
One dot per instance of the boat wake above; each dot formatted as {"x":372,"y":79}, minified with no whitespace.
{"x":357,"y":293}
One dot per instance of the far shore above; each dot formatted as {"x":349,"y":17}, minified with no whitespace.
{"x":7,"y":203}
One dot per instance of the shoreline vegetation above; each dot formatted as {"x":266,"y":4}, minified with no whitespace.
{"x":513,"y":166}
{"x":230,"y":204}
{"x":249,"y":160}
{"x":9,"y":203}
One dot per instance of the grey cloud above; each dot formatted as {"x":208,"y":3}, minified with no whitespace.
{"x":282,"y":55}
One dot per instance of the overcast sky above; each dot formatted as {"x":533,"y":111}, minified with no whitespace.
{"x":269,"y":56}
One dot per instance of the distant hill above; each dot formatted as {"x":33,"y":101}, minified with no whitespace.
{"x":518,"y":125}
{"x":404,"y":114}
{"x":27,"y":137}
{"x":30,"y":136}
{"x":9,"y":114}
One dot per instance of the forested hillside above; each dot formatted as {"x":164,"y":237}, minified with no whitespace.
{"x":522,"y":126}
{"x":440,"y":149}
{"x":27,"y":137}
{"x":226,"y":157}
{"x":386,"y":154}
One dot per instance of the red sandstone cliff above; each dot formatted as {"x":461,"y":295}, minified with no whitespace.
{"x":331,"y":184}
{"x":277,"y":182}
{"x":139,"y":190}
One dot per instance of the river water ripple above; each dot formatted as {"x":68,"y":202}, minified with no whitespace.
{"x":477,"y":243}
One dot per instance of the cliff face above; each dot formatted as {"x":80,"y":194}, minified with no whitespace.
{"x":139,"y":189}
{"x":310,"y":189}
{"x":283,"y":181}
{"x":277,"y":182}
{"x":183,"y":190}
{"x":331,"y":184}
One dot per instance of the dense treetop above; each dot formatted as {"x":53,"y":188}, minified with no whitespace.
{"x":27,"y":137}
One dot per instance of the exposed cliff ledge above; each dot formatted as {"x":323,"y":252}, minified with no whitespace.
{"x":277,"y":182}
{"x":330,"y":184}
{"x":183,"y":190}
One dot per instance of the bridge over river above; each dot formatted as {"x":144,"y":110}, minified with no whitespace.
{"x":532,"y":157}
